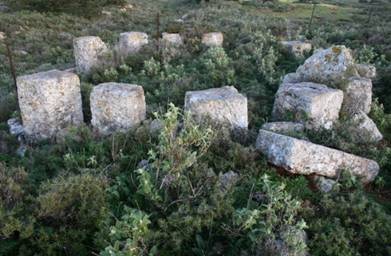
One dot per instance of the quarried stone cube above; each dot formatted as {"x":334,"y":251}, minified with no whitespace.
{"x":316,"y":105}
{"x":358,"y":95}
{"x":214,"y":39}
{"x":131,"y":43}
{"x":88,"y":52}
{"x":223,"y":105}
{"x":117,"y":107}
{"x":49,"y":102}
{"x":303,"y":157}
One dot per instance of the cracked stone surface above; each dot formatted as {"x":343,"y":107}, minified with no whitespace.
{"x":49,"y":102}
{"x":117,"y":107}
{"x":303,"y":157}
{"x":223,"y":105}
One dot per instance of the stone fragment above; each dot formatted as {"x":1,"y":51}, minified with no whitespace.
{"x":323,"y":184}
{"x":88,"y":52}
{"x":117,"y":107}
{"x":357,"y":95}
{"x":292,"y":78}
{"x":330,"y":66}
{"x":303,"y":157}
{"x":284,"y":127}
{"x":223,"y":105}
{"x":366,"y":70}
{"x":131,"y":43}
{"x":363,"y":130}
{"x":214,"y":39}
{"x":297,"y":48}
{"x":15,"y":127}
{"x":49,"y":102}
{"x":314,"y":104}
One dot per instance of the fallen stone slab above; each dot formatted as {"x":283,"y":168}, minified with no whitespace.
{"x":297,"y":48}
{"x":223,"y":105}
{"x":131,"y":43}
{"x":303,"y":157}
{"x":316,"y":105}
{"x":88,"y":53}
{"x":286,"y":128}
{"x":214,"y":39}
{"x":330,"y":66}
{"x":49,"y":102}
{"x":363,"y":130}
{"x":357,"y":95}
{"x":117,"y":107}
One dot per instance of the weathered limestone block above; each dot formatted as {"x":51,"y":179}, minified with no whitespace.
{"x":214,"y":39}
{"x":49,"y":102}
{"x":303,"y":157}
{"x":284,"y":127}
{"x":315,"y":104}
{"x":223,"y":105}
{"x":357,"y":95}
{"x":117,"y":107}
{"x":364,"y":130}
{"x":297,"y":48}
{"x":88,"y":52}
{"x":365,"y":70}
{"x":330,"y":66}
{"x":172,"y":39}
{"x":131,"y":43}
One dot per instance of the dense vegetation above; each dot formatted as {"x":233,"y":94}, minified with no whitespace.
{"x":188,"y":189}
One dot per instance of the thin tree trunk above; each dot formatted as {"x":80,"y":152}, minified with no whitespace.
{"x":312,"y":17}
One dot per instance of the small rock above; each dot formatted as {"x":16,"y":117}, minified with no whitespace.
{"x":144,"y":164}
{"x":366,"y":70}
{"x":324,"y":185}
{"x":303,"y":157}
{"x":155,"y":127}
{"x":2,"y":36}
{"x":214,"y":39}
{"x":15,"y":127}
{"x":364,"y":130}
{"x":223,"y":105}
{"x":357,"y":95}
{"x":297,"y":48}
{"x":117,"y":107}
{"x":284,"y":127}
{"x":88,"y":51}
{"x":228,"y":180}
{"x":21,"y":151}
{"x":330,"y":66}
{"x":314,"y":104}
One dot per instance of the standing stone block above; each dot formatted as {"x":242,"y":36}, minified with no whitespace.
{"x":172,"y":39}
{"x":117,"y":107}
{"x":214,"y":39}
{"x":297,"y":48}
{"x":131,"y":43}
{"x":330,"y":66}
{"x":49,"y":102}
{"x":358,"y":95}
{"x":314,"y":104}
{"x":303,"y":157}
{"x":363,"y":130}
{"x":223,"y":105}
{"x":88,"y":51}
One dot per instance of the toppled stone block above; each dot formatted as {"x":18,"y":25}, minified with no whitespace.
{"x":363,"y":129}
{"x":223,"y":105}
{"x":117,"y":107}
{"x":49,"y":102}
{"x":357,"y":95}
{"x":314,"y":104}
{"x":131,"y":43}
{"x":330,"y":66}
{"x":284,"y":127}
{"x":297,"y":48}
{"x":366,"y":70}
{"x":303,"y":157}
{"x":88,"y":52}
{"x":214,"y":39}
